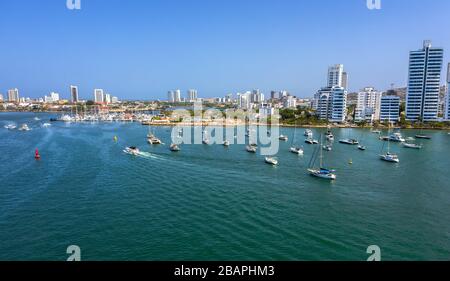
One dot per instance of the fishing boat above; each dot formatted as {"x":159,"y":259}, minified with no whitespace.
{"x":283,"y":138}
{"x":308,"y":133}
{"x":271,"y":161}
{"x":320,"y":172}
{"x":24,"y":127}
{"x":132,"y":150}
{"x":412,"y":145}
{"x":251,"y":149}
{"x":349,"y":141}
{"x":174,"y":148}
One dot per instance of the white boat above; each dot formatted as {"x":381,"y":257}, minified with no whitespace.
{"x":320,"y":172}
{"x":283,"y":138}
{"x":308,"y":133}
{"x":10,"y":127}
{"x":132,"y":150}
{"x":37,"y":119}
{"x":327,"y":147}
{"x":205,"y":141}
{"x":226,"y":143}
{"x":271,"y":161}
{"x":349,"y":141}
{"x":425,"y":137}
{"x":309,"y":141}
{"x":24,"y":127}
{"x":390,"y":158}
{"x":376,"y":132}
{"x":361,"y":147}
{"x":396,"y":137}
{"x":297,"y":150}
{"x":412,"y":145}
{"x":251,"y":149}
{"x":46,"y":125}
{"x":329,"y":136}
{"x":174,"y":148}
{"x":315,"y":142}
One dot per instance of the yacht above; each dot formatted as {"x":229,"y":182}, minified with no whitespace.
{"x":283,"y":138}
{"x":395,"y":137}
{"x":320,"y":172}
{"x":308,"y":133}
{"x":271,"y":161}
{"x":390,"y":158}
{"x":349,"y":141}
{"x":174,"y":148}
{"x":132,"y":150}
{"x":412,"y":145}
{"x":297,"y":150}
{"x":154,"y":140}
{"x":24,"y":127}
{"x":251,"y":149}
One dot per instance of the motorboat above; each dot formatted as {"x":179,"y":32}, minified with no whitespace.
{"x":322,"y":173}
{"x":388,"y":157}
{"x":132,"y":150}
{"x":395,"y":137}
{"x":412,"y":145}
{"x":349,"y":141}
{"x":362,"y":147}
{"x":251,"y":149}
{"x":308,"y":133}
{"x":425,"y":137}
{"x":283,"y":138}
{"x":226,"y":143}
{"x":297,"y":150}
{"x":10,"y":127}
{"x":271,"y":161}
{"x":24,"y":127}
{"x":174,"y":148}
{"x":46,"y":125}
{"x":327,"y":147}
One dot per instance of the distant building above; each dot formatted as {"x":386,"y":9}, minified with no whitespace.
{"x":99,"y":96}
{"x":425,"y":67}
{"x":335,"y":75}
{"x":74,"y":98}
{"x":1,"y":98}
{"x":447,"y":97}
{"x":345,"y":80}
{"x":107,"y":98}
{"x":171,"y":96}
{"x":266,"y":109}
{"x":244,"y":100}
{"x":192,"y":95}
{"x":13,"y":95}
{"x":53,"y":97}
{"x":256,"y":96}
{"x":114,"y":100}
{"x":368,"y":105}
{"x":331,"y":104}
{"x":177,"y":96}
{"x":390,"y":109}
{"x":290,"y":102}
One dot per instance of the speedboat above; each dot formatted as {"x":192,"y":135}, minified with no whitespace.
{"x":322,"y":173}
{"x":425,"y":137}
{"x":251,"y":148}
{"x":271,"y":161}
{"x":283,"y":138}
{"x":412,"y":145}
{"x":361,"y":147}
{"x":349,"y":141}
{"x":10,"y":127}
{"x":226,"y":143}
{"x":24,"y":127}
{"x":174,"y":148}
{"x":388,"y":157}
{"x":297,"y":150}
{"x":132,"y":150}
{"x":308,"y":133}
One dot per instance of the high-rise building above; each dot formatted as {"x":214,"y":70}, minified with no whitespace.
{"x":338,"y":104}
{"x":107,"y":98}
{"x":1,"y":97}
{"x":344,"y":80}
{"x":114,"y":99}
{"x":192,"y":95}
{"x":390,"y":109}
{"x":368,"y":105}
{"x":171,"y":96}
{"x":74,"y":94}
{"x":244,"y":100}
{"x":425,"y":68}
{"x":290,"y":102}
{"x":335,"y":75}
{"x":177,"y":96}
{"x":447,"y":97}
{"x":13,"y":95}
{"x":99,"y":96}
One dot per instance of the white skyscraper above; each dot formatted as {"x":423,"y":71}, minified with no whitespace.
{"x":368,"y":105}
{"x":99,"y":96}
{"x":447,"y":97}
{"x":107,"y":98}
{"x":171,"y":96}
{"x":13,"y":95}
{"x":335,"y":75}
{"x":244,"y":100}
{"x":177,"y":96}
{"x":74,"y":94}
{"x":390,"y":109}
{"x":425,"y":68}
{"x":192,"y":95}
{"x":1,"y":98}
{"x":290,"y":102}
{"x":338,"y":104}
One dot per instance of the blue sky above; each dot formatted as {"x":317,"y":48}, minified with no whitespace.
{"x":140,"y":49}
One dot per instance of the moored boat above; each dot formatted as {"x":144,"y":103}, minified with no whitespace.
{"x":271,"y":161}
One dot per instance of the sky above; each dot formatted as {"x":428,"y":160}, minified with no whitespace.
{"x":141,"y":49}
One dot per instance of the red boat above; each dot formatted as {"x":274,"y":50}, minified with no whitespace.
{"x":36,"y":155}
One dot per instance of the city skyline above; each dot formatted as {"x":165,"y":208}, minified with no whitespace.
{"x":272,"y":53}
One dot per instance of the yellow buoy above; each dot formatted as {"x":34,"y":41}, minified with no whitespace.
{"x":115,"y":138}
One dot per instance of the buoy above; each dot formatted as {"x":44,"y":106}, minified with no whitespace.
{"x":36,"y":155}
{"x":115,"y":138}
{"x":350,"y":162}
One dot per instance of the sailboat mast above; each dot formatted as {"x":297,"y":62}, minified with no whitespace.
{"x":321,"y":151}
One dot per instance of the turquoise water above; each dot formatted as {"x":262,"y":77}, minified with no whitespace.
{"x":212,"y":202}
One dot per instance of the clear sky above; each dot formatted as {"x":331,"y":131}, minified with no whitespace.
{"x":140,"y":49}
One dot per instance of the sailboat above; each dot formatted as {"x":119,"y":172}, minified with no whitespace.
{"x":422,"y":136}
{"x":388,"y":156}
{"x":320,"y":172}
{"x":349,"y":141}
{"x":295,"y":149}
{"x":361,"y":146}
{"x":152,"y":139}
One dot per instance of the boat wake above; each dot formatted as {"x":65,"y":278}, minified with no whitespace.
{"x":149,"y":155}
